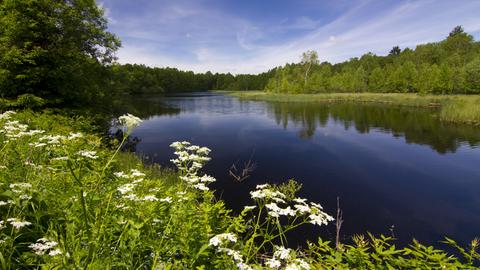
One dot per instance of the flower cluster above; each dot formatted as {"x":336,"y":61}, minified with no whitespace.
{"x":190,"y":159}
{"x":273,"y":198}
{"x":88,"y":154}
{"x":129,"y":121}
{"x":20,"y":187}
{"x":6,"y":115}
{"x":17,"y":223}
{"x":219,"y":241}
{"x":43,"y":245}
{"x":127,"y":190}
{"x":284,"y":258}
{"x":15,"y":130}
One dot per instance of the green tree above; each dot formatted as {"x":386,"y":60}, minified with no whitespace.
{"x":376,"y":80}
{"x":309,"y":58}
{"x":54,"y":49}
{"x":395,"y":51}
{"x":473,"y":75}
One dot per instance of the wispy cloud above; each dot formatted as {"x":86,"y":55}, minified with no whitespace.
{"x":205,"y":35}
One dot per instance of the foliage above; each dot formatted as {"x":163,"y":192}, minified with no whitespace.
{"x":54,"y":49}
{"x":380,"y":253}
{"x":140,"y":79}
{"x":67,"y":202}
{"x":450,"y":66}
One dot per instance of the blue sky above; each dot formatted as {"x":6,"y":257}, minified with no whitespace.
{"x":251,"y":36}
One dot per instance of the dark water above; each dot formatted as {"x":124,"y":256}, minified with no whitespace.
{"x":390,"y":166}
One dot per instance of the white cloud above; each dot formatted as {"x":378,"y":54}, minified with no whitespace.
{"x":203,"y":38}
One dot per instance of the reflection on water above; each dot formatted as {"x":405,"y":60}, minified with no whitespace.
{"x":416,"y":126}
{"x":390,"y":166}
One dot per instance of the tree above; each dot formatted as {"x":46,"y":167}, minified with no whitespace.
{"x":309,"y":58}
{"x":395,"y":51}
{"x":54,"y":49}
{"x":473,"y":75}
{"x":456,"y":31}
{"x":376,"y":80}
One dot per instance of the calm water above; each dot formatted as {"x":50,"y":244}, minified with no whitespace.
{"x":390,"y":166}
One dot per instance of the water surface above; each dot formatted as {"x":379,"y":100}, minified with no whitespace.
{"x":396,"y":170}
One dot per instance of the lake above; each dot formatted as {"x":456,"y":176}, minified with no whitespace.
{"x":396,"y":170}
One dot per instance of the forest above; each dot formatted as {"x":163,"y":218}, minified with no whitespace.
{"x":451,"y":66}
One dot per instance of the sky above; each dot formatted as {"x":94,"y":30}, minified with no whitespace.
{"x":253,"y":36}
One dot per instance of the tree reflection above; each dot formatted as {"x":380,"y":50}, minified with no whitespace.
{"x":419,"y":126}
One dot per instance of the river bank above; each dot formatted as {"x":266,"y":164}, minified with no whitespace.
{"x":451,"y":108}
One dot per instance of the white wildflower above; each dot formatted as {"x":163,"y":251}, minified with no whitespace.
{"x":303,"y":209}
{"x":25,"y":197}
{"x":18,"y":224}
{"x":258,"y":194}
{"x":121,"y":175}
{"x":6,"y":115}
{"x":273,"y":263}
{"x":320,"y":219}
{"x":131,"y":197}
{"x":193,"y":148}
{"x":220,"y":238}
{"x":203,"y":151}
{"x":166,"y":199}
{"x":249,"y":207}
{"x":243,"y":266}
{"x":37,"y":144}
{"x":136,"y":173}
{"x":55,"y":252}
{"x":201,"y":186}
{"x":303,"y":264}
{"x":138,"y":181}
{"x":53,"y":139}
{"x":292,"y":266}
{"x":124,"y":189}
{"x":43,"y":245}
{"x":60,"y":158}
{"x":282,"y":252}
{"x":73,"y":136}
{"x":263,"y":186}
{"x":2,"y":203}
{"x":150,"y":198}
{"x":129,"y":121}
{"x":299,"y":200}
{"x":88,"y":154}
{"x":20,"y":187}
{"x":316,"y":205}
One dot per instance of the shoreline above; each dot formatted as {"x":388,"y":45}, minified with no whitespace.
{"x":461,"y":109}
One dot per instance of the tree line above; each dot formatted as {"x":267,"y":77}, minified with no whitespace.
{"x":451,"y":66}
{"x":141,"y":79}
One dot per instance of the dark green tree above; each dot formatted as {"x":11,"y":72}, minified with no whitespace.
{"x":395,"y":51}
{"x":54,"y":49}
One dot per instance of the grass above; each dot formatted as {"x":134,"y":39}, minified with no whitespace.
{"x":69,"y":202}
{"x":451,"y":108}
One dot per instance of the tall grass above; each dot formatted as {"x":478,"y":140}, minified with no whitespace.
{"x":68,"y":202}
{"x":451,"y":108}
